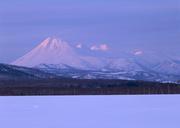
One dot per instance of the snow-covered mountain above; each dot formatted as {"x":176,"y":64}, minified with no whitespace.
{"x":57,"y":56}
{"x":58,"y":53}
{"x":51,"y":51}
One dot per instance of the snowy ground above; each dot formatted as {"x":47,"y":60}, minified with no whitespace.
{"x":90,"y":112}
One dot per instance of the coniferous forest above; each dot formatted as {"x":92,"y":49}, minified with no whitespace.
{"x":67,"y":86}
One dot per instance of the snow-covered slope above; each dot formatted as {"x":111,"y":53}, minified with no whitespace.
{"x":58,"y":53}
{"x":57,"y":56}
{"x":51,"y":51}
{"x":160,"y":63}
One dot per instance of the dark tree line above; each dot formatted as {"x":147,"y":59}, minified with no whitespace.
{"x":84,"y":87}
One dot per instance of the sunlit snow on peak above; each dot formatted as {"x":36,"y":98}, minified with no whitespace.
{"x":50,"y":51}
{"x":53,"y":43}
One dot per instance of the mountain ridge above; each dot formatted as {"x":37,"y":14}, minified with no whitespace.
{"x":56,"y":56}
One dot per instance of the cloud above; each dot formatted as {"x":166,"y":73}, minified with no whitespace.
{"x":138,"y":52}
{"x":94,"y":48}
{"x":79,"y":46}
{"x":101,"y":47}
{"x":104,"y":47}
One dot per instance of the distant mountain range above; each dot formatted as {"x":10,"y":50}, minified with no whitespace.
{"x":57,"y":57}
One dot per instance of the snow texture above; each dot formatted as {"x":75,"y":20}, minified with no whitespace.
{"x":90,"y":112}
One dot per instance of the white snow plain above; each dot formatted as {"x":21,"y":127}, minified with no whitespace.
{"x":153,"y":111}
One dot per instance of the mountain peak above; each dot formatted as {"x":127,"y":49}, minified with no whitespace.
{"x":53,"y":43}
{"x":51,"y":51}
